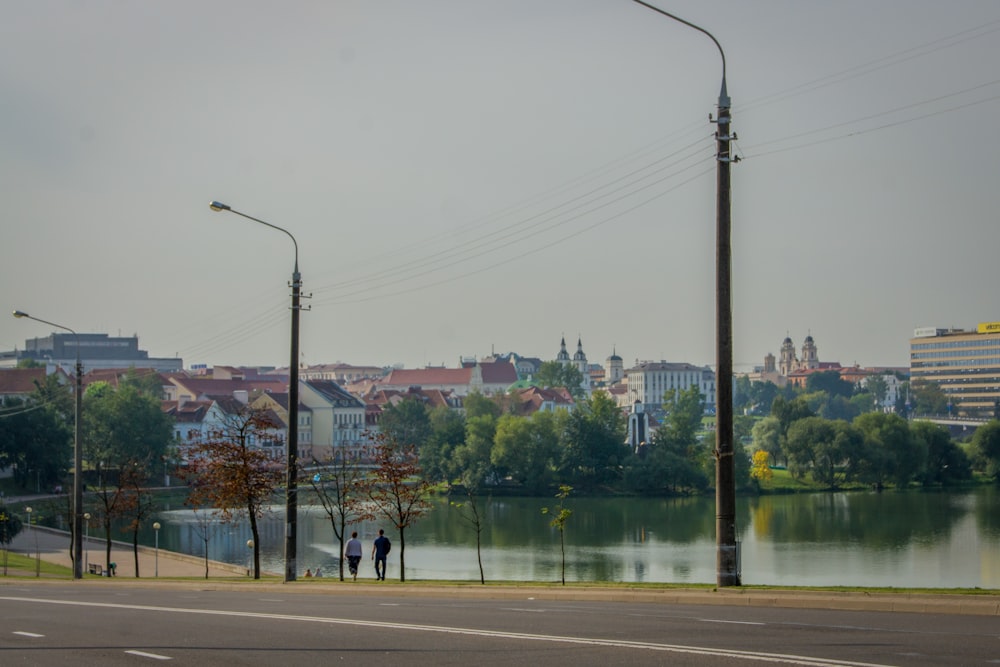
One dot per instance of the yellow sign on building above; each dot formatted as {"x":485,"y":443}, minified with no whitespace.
{"x":989,"y":327}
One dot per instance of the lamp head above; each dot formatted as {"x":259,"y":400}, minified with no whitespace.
{"x":218,"y":206}
{"x":20,"y":313}
{"x":156,"y":526}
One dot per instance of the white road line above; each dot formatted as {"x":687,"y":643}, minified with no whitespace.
{"x":27,"y":634}
{"x":719,"y":620}
{"x":154,"y":656}
{"x":788,"y":659}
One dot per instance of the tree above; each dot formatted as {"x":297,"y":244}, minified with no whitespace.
{"x":890,"y":454}
{"x":339,"y":486}
{"x":471,"y":459}
{"x":407,"y":421}
{"x":789,"y":411}
{"x":684,"y":410}
{"x":554,"y":374}
{"x":592,"y":442}
{"x":928,"y":398}
{"x":396,"y":489}
{"x":878,"y":387}
{"x":830,"y":382}
{"x":204,"y":527}
{"x":767,"y":437}
{"x":526,"y":448}
{"x":228,"y":473}
{"x":810,"y":449}
{"x":139,"y":503}
{"x":562,"y":514}
{"x":447,"y":433}
{"x":759,"y":468}
{"x":469,"y":511}
{"x":986,"y":448}
{"x":946,"y":463}
{"x":10,"y":527}
{"x":125,"y":434}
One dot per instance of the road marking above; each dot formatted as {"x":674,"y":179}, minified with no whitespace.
{"x":789,"y":659}
{"x":154,"y":656}
{"x":719,"y":620}
{"x":533,"y":611}
{"x":27,"y":634}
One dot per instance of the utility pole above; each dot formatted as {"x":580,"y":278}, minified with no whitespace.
{"x":727,"y":551}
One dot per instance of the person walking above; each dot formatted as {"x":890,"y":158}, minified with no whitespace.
{"x":380,"y":549}
{"x":353,"y":553}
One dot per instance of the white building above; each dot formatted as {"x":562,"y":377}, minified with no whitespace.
{"x":648,"y":381}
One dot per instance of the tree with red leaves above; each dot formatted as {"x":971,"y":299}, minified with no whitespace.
{"x":396,"y":489}
{"x":231,"y":474}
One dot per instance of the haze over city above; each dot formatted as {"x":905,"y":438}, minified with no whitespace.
{"x":464,"y":176}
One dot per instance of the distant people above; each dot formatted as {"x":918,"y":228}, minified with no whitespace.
{"x":318,"y":573}
{"x":309,"y":573}
{"x":353,"y":553}
{"x":380,"y":549}
{"x":112,"y":569}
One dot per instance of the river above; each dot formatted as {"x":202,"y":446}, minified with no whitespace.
{"x":934,"y":539}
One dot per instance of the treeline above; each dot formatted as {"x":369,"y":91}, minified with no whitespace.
{"x":490,"y":445}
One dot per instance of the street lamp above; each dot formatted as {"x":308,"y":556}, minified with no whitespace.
{"x":250,"y":558}
{"x":156,"y":557}
{"x":727,"y":557}
{"x":38,"y":563}
{"x":291,"y":483}
{"x":77,"y":451}
{"x":86,"y":552}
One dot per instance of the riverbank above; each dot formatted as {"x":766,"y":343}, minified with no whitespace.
{"x":184,"y":571}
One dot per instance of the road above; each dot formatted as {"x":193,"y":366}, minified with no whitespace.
{"x":57,"y":623}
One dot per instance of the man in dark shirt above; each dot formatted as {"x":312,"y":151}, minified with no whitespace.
{"x":379,"y":551}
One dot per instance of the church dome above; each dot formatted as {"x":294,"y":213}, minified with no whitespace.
{"x":809,"y":339}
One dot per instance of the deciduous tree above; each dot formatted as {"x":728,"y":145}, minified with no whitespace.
{"x":396,"y":489}
{"x":339,"y":486}
{"x":228,"y":473}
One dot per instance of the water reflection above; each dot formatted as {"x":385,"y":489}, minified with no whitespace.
{"x":939,"y":539}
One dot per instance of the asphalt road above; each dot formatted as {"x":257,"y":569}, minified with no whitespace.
{"x":68,"y":623}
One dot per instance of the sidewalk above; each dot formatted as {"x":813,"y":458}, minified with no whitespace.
{"x":53,"y":547}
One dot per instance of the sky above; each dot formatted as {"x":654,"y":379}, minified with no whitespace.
{"x":466,"y":177}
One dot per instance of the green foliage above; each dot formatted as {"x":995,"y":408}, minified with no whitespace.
{"x":986,"y":448}
{"x":946,"y":463}
{"x":553,"y":374}
{"x":36,"y":441}
{"x":10,"y":526}
{"x":447,"y":433}
{"x":891,"y":454}
{"x":561,"y":516}
{"x":407,"y":422}
{"x":829,"y":382}
{"x":592,"y":449}
{"x":927,"y":398}
{"x":526,"y":448}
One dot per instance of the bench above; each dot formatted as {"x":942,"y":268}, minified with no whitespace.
{"x":95,"y":568}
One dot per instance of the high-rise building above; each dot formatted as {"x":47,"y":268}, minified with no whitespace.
{"x":965,"y":364}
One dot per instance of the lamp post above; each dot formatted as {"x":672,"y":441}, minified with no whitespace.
{"x":727,"y":557}
{"x":77,"y":451}
{"x":38,"y":564}
{"x":156,"y":557}
{"x":291,"y":483}
{"x":86,"y":541}
{"x":250,"y":558}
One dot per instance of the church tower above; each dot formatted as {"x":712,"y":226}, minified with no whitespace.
{"x":788,"y":364}
{"x":563,"y":356}
{"x":810,"y":357}
{"x":580,"y":361}
{"x":614,"y":368}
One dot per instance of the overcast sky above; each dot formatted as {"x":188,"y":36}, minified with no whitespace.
{"x":466,"y":176}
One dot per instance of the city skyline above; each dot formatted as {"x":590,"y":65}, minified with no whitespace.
{"x":468,"y":177}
